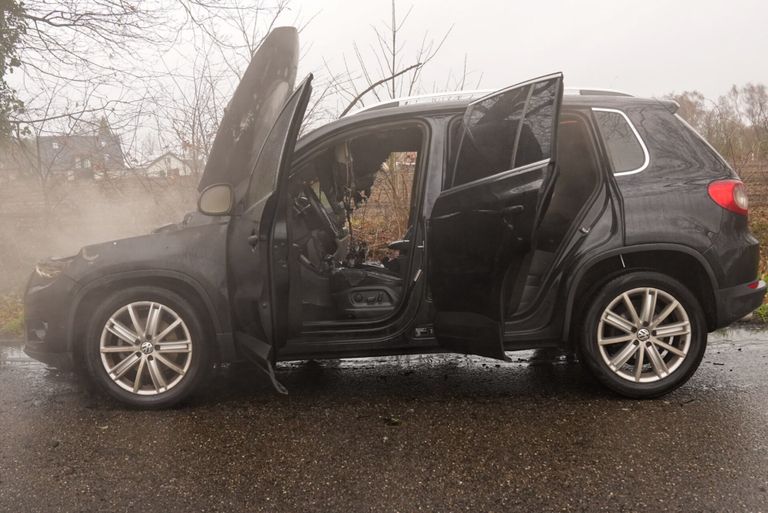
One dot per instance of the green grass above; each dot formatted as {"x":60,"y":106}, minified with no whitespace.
{"x":758,"y":224}
{"x":11,"y":317}
{"x":761,"y":314}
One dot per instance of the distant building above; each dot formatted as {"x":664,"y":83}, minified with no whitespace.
{"x":168,"y":165}
{"x":15,"y":160}
{"x":71,"y":157}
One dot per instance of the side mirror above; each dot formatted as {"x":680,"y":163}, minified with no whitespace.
{"x":216,"y":200}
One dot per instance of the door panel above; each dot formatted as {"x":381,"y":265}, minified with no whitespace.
{"x":481,"y":229}
{"x":257,"y":242}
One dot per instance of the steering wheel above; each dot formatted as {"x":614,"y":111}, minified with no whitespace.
{"x":321,"y":212}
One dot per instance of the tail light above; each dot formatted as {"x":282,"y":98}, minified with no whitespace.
{"x":730,"y":194}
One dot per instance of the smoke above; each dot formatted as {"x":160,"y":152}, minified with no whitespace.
{"x":35,"y":224}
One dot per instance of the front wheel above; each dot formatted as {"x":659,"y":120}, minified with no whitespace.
{"x":643,"y":335}
{"x":145,"y":347}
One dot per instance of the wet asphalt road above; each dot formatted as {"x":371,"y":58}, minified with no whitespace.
{"x":434,"y":433}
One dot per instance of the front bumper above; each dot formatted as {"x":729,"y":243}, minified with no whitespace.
{"x":734,"y":303}
{"x":48,"y":319}
{"x":64,"y":360}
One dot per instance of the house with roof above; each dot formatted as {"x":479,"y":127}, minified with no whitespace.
{"x":168,"y":165}
{"x":66,"y":156}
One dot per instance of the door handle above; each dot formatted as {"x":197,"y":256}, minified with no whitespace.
{"x":506,"y":211}
{"x":512,"y":211}
{"x":507,"y":215}
{"x":253,"y":239}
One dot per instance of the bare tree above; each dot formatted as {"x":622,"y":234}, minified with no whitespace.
{"x":195,"y":91}
{"x":736,"y":123}
{"x":387,"y":69}
{"x":104,"y":47}
{"x":755,"y":107}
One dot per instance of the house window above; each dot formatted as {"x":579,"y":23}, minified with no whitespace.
{"x":82,"y":163}
{"x":55,"y":145}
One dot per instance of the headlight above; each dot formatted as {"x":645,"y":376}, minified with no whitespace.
{"x":52,"y":267}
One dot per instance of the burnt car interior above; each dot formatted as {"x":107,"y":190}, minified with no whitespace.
{"x":342,"y":197}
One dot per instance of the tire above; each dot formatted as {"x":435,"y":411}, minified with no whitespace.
{"x":611,"y":336}
{"x":169,"y":366}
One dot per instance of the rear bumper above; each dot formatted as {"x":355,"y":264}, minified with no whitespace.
{"x":734,"y":303}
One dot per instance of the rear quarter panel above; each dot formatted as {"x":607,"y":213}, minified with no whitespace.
{"x":668,"y":201}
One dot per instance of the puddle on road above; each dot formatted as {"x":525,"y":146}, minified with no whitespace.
{"x":13,"y":355}
{"x":516,"y":358}
{"x":742,"y":335}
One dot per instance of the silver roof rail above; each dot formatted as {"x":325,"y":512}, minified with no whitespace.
{"x":593,"y":91}
{"x":444,"y":96}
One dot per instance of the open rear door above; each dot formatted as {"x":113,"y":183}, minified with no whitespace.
{"x":481,"y":227}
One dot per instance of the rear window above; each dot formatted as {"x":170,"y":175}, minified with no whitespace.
{"x":625,"y":149}
{"x":704,"y":144}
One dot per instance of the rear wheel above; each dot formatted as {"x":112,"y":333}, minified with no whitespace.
{"x":145,"y":347}
{"x":643,"y":335}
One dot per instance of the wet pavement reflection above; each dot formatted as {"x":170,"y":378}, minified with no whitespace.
{"x":434,"y":433}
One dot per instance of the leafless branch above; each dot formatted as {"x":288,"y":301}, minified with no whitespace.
{"x":375,"y":85}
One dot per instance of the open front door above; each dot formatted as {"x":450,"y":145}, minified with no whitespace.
{"x":251,"y":152}
{"x":481,"y":227}
{"x":257,"y":244}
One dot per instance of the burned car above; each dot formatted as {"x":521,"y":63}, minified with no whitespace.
{"x":591,"y":221}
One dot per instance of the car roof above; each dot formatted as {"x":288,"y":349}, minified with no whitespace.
{"x":388,"y":113}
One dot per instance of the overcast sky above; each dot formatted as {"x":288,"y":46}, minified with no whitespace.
{"x":647,"y":48}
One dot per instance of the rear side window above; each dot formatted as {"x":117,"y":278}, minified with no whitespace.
{"x":507,"y":130}
{"x":625,"y":148}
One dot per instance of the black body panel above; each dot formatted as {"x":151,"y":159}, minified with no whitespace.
{"x":188,"y":256}
{"x":668,"y":201}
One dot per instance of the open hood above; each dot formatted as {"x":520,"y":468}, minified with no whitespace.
{"x":253,"y":109}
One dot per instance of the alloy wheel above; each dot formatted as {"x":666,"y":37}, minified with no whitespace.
{"x":644,"y":335}
{"x":146,"y":348}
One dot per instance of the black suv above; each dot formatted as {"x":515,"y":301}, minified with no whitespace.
{"x":595,"y":222}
